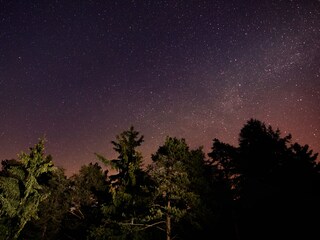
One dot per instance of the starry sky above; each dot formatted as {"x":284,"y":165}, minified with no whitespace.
{"x":81,"y":72}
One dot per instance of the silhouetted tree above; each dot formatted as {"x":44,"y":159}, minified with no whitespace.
{"x":265,"y":175}
{"x":203,"y":219}
{"x":89,"y":191}
{"x":266,"y":187}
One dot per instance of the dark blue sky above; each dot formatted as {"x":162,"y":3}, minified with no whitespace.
{"x":80,"y":73}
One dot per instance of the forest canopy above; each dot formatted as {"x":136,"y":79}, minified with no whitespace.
{"x":267,"y":186}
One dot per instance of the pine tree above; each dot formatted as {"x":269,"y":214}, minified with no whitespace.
{"x":173,"y":198}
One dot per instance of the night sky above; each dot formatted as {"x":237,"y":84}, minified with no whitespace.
{"x":81,"y":72}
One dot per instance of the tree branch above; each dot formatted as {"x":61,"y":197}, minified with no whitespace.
{"x":145,"y":226}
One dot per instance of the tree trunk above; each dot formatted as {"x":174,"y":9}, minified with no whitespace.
{"x":44,"y":232}
{"x":168,"y":222}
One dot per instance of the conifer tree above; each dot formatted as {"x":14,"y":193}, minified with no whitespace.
{"x":173,"y":198}
{"x":21,"y":192}
{"x":128,"y":185}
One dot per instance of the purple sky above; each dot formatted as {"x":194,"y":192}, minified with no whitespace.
{"x":81,"y":73}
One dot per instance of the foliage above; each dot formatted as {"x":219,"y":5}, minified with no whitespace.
{"x":173,"y":198}
{"x":52,"y":210}
{"x":21,"y":192}
{"x":89,"y":191}
{"x":268,"y":176}
{"x":128,"y":187}
{"x":267,"y":186}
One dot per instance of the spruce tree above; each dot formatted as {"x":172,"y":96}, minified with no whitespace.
{"x":128,"y":188}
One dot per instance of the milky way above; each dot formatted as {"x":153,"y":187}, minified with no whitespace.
{"x":79,"y":74}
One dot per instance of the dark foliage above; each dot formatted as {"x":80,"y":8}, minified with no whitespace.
{"x":274,"y":183}
{"x":267,"y":187}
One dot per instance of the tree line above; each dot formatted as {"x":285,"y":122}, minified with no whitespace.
{"x":266,"y":187}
